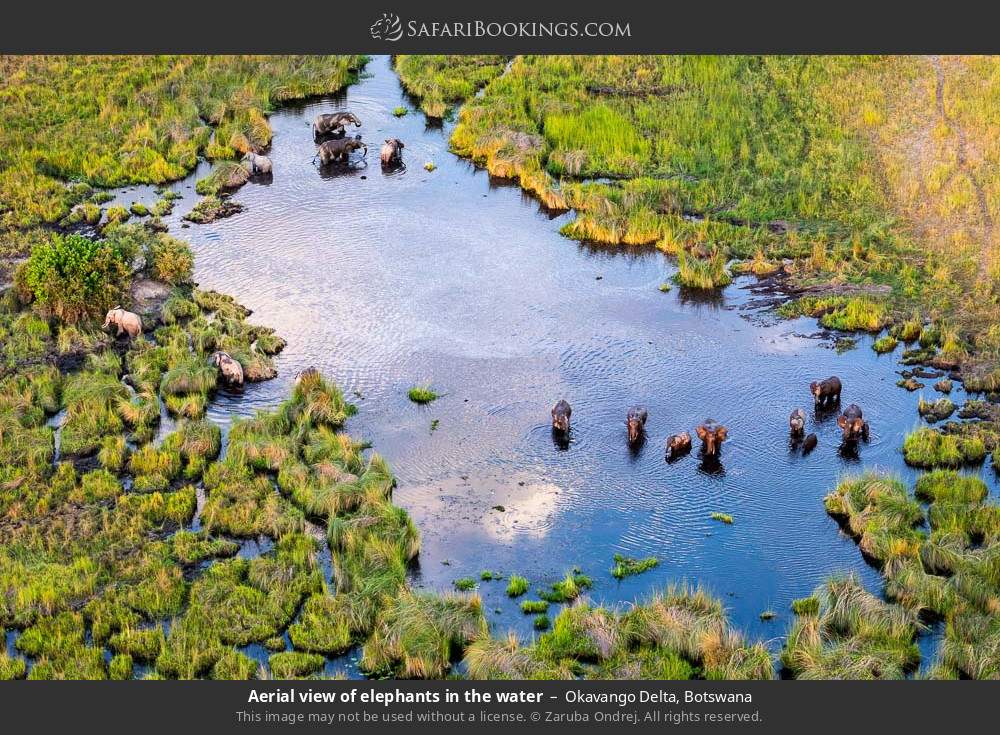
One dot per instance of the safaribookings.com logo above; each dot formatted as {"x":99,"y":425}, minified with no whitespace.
{"x":387,"y":28}
{"x":390,"y":28}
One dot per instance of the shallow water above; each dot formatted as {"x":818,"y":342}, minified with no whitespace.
{"x":387,"y":280}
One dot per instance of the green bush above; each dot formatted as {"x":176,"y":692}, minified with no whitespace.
{"x":169,"y":260}
{"x":73,"y":277}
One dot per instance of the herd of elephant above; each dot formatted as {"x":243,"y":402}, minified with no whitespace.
{"x":329,"y":131}
{"x":826,"y":394}
{"x":130,"y":323}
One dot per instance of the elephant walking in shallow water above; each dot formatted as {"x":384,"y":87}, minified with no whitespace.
{"x":333,"y":123}
{"x":390,"y":154}
{"x":232,"y":371}
{"x":560,"y":416}
{"x":126,"y":321}
{"x":338,"y":151}
{"x":256,"y":164}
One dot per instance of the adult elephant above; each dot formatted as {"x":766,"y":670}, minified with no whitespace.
{"x":852,"y":423}
{"x":333,"y":123}
{"x":338,"y":151}
{"x":712,"y":434}
{"x":256,"y":164}
{"x":125,"y":321}
{"x":390,"y":154}
{"x":232,"y":371}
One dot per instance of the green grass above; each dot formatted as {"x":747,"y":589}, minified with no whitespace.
{"x":517,"y":585}
{"x":465,"y":584}
{"x":422,"y":394}
{"x":937,"y":410}
{"x":702,"y":273}
{"x":53,"y":130}
{"x":441,"y":81}
{"x":885,"y":344}
{"x":400,"y":112}
{"x":567,"y":589}
{"x":627,"y":566}
{"x":294,"y":665}
{"x":721,"y":517}
{"x":531,"y":607}
{"x":926,"y":447}
{"x":540,"y":622}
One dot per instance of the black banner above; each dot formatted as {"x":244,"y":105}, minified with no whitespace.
{"x":516,"y":26}
{"x":377,"y":706}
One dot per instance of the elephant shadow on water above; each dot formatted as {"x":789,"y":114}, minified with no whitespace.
{"x":335,"y":169}
{"x":560,"y":440}
{"x":711,"y":464}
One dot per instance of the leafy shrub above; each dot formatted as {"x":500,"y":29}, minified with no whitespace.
{"x":169,"y":260}
{"x":73,"y":277}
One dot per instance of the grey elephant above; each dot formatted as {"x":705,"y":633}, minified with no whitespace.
{"x":390,"y":154}
{"x":339,"y":151}
{"x":333,"y":123}
{"x":126,"y":321}
{"x":231,"y":370}
{"x":256,"y":164}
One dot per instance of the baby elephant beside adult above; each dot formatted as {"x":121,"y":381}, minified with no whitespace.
{"x":232,"y":371}
{"x":333,"y":123}
{"x":126,"y":321}
{"x":338,"y":151}
{"x":390,"y":154}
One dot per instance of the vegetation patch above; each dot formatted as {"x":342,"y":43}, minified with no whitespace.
{"x":627,"y":566}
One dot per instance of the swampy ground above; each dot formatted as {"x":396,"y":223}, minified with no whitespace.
{"x":447,"y":277}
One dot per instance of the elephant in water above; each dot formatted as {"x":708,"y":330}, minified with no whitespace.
{"x":333,"y":123}
{"x":560,"y":416}
{"x":256,"y":164}
{"x":852,"y":423}
{"x":126,"y":321}
{"x":390,"y":154}
{"x":712,"y":435}
{"x":797,"y":422}
{"x":635,"y":421}
{"x":339,"y":150}
{"x":678,"y":445}
{"x":826,"y":392}
{"x":231,"y":370}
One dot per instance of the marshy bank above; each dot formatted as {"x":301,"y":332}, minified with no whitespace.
{"x":448,"y":278}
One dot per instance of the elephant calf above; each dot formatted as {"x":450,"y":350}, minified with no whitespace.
{"x":231,"y":370}
{"x":256,"y":164}
{"x":712,"y":435}
{"x":560,"y":416}
{"x":678,"y":444}
{"x":333,"y":123}
{"x":635,"y":421}
{"x":126,"y":321}
{"x":797,"y":422}
{"x":390,"y":154}
{"x":339,"y":150}
{"x":852,"y":423}
{"x":809,"y":444}
{"x":826,"y":392}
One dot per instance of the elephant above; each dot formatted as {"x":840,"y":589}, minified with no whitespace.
{"x":231,"y":370}
{"x":256,"y":164}
{"x":797,"y":422}
{"x":126,"y":321}
{"x":635,"y":421}
{"x":333,"y":123}
{"x":560,"y":416}
{"x":809,"y":444}
{"x":390,"y":153}
{"x":678,"y":444}
{"x":826,"y":392}
{"x":712,"y":434}
{"x":852,"y":423}
{"x":339,"y":150}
